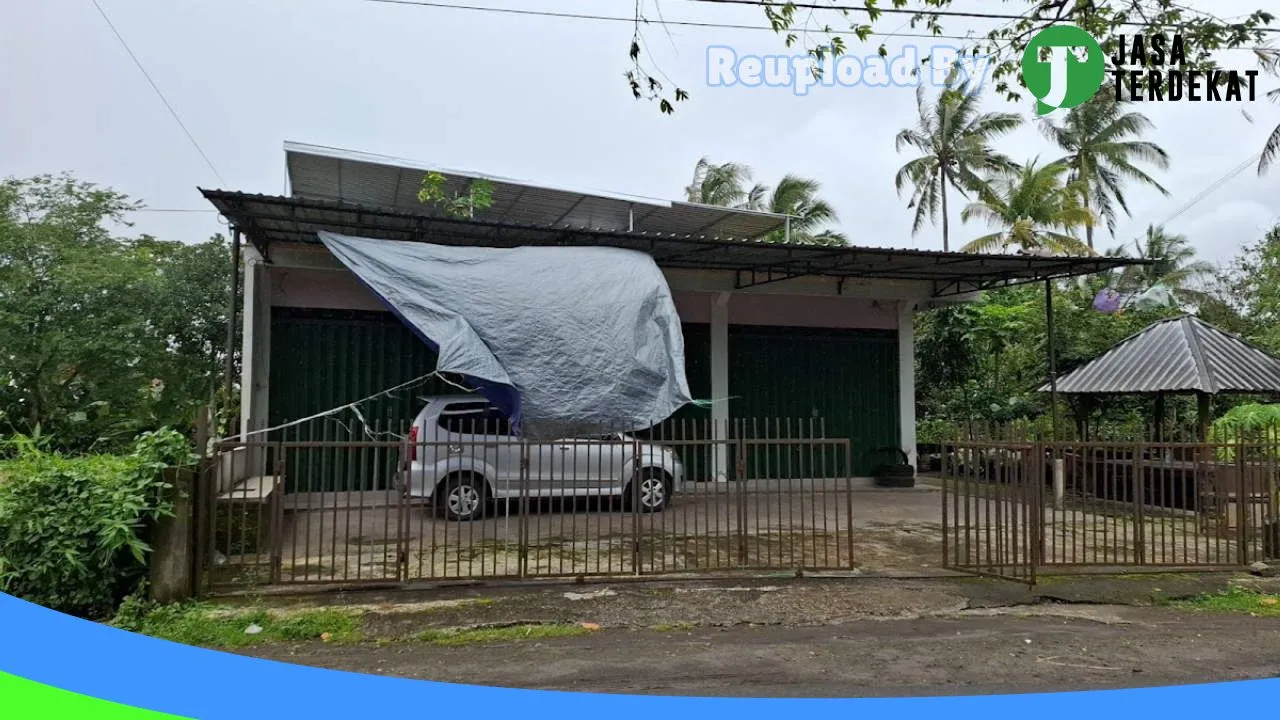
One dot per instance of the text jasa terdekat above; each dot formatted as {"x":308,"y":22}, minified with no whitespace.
{"x":1152,"y":68}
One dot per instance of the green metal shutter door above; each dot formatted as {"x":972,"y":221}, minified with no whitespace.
{"x":322,"y":360}
{"x":843,"y":383}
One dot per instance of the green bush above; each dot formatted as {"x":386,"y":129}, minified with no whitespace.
{"x":1254,"y":424}
{"x":74,"y":530}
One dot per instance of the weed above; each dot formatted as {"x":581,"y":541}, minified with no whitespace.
{"x":461,"y":637}
{"x":206,"y":626}
{"x":1233,"y":600}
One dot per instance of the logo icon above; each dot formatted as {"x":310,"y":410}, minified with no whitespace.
{"x":1063,"y":66}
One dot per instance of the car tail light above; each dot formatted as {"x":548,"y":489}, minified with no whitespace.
{"x":413,"y":444}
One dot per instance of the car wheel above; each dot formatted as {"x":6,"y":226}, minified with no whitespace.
{"x":654,"y":492}
{"x":463,"y":498}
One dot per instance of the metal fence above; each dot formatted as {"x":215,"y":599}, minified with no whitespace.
{"x":1013,"y":509}
{"x":377,"y":505}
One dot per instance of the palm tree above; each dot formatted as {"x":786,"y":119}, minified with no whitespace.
{"x":723,"y":185}
{"x":1034,"y":210}
{"x":954,"y":139}
{"x":1269,"y":58}
{"x":798,"y":197}
{"x":1099,"y":138}
{"x":1174,"y":264}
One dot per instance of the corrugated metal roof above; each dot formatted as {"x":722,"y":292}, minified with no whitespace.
{"x":268,"y":219}
{"x":1182,"y":354}
{"x":325,"y":173}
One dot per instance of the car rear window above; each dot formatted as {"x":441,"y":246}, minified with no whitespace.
{"x":474,"y":418}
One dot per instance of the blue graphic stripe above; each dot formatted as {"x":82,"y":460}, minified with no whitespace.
{"x":110,"y":664}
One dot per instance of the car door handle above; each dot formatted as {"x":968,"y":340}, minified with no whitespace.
{"x":564,"y":448}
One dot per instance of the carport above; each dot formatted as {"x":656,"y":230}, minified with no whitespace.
{"x":771,"y":330}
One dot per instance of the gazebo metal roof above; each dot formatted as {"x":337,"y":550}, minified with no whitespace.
{"x":1179,"y":355}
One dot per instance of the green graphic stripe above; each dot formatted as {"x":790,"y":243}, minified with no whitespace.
{"x":22,"y":699}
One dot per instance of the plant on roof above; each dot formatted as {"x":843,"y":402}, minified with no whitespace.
{"x":477,"y":195}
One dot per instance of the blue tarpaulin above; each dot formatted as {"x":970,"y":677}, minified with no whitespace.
{"x":564,"y":340}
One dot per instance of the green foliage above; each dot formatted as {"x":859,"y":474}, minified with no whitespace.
{"x":478,"y":195}
{"x":953,"y":140}
{"x":1250,"y":286}
{"x":207,"y":626}
{"x":936,"y":431}
{"x":1204,"y":32}
{"x":725,"y":185}
{"x":461,"y":637}
{"x":1100,"y":138}
{"x":983,"y":362}
{"x":1035,"y":207}
{"x":1233,"y":600}
{"x":73,"y":531}
{"x":103,"y":337}
{"x":1253,"y":425}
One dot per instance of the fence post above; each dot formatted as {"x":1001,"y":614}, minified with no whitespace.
{"x":1035,"y":531}
{"x":522,"y":525}
{"x":1059,"y":483}
{"x":275,"y":529}
{"x":402,"y":509}
{"x":635,"y":507}
{"x":1139,"y":501}
{"x":1242,"y":503}
{"x":848,"y":495}
{"x":740,"y":493}
{"x":172,"y":567}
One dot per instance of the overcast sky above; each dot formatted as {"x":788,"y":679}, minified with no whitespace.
{"x":537,"y":98}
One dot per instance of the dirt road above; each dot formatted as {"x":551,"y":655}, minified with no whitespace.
{"x":821,"y":639}
{"x":958,"y":655}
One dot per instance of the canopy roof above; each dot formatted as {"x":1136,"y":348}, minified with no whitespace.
{"x":1179,"y":355}
{"x":268,"y":219}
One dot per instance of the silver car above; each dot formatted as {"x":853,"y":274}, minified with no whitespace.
{"x":463,"y":455}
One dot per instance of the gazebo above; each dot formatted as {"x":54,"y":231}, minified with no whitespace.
{"x":1178,"y":356}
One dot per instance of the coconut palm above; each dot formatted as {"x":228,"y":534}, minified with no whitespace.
{"x":1269,"y":58}
{"x":953,"y":138}
{"x":798,"y":197}
{"x":1174,"y":264}
{"x":724,"y":185}
{"x":1034,"y":209}
{"x":1100,"y":139}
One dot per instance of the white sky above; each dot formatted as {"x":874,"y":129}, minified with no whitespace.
{"x":541,"y":99}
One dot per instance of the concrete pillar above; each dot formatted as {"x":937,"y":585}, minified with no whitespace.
{"x":907,"y":378}
{"x":255,"y":371}
{"x":256,"y":343}
{"x":170,"y":570}
{"x":720,"y":384}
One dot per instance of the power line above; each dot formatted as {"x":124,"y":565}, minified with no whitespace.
{"x":619,"y":18}
{"x":159,"y":94}
{"x":1213,"y":186}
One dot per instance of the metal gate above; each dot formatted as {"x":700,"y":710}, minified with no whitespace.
{"x":1015,"y":509}
{"x":301,"y":509}
{"x":990,"y":510}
